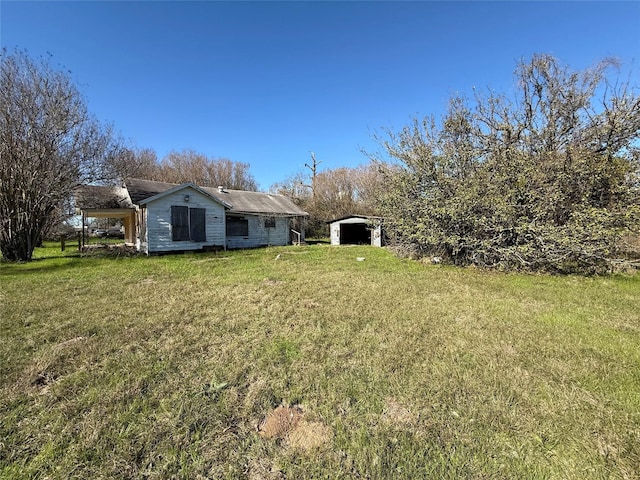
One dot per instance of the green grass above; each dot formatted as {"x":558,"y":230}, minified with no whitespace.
{"x":161,"y":367}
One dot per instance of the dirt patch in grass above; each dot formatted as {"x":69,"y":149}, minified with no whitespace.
{"x":287,"y":423}
{"x":309,"y":304}
{"x":279,"y":422}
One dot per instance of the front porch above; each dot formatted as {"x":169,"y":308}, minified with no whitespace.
{"x":127,"y":216}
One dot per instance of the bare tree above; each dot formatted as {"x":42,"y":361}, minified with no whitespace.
{"x":333,"y":193}
{"x":132,"y":163}
{"x":49,"y":143}
{"x":294,"y":187}
{"x":313,"y":168}
{"x":186,"y":166}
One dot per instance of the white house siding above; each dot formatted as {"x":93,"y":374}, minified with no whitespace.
{"x":259,"y":235}
{"x":159,"y":222}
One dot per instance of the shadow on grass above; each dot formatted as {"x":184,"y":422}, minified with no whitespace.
{"x":52,"y":259}
{"x":44,"y":265}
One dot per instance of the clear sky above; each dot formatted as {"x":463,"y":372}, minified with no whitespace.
{"x":268,"y":82}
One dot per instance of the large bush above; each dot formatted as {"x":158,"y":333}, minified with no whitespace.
{"x":546,"y":181}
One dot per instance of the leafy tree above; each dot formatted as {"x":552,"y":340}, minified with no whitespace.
{"x":48,"y":145}
{"x":545,"y":181}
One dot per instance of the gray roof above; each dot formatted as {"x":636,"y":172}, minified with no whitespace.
{"x":364,"y":217}
{"x":140,"y":190}
{"x":240,"y":201}
{"x":101,"y":198}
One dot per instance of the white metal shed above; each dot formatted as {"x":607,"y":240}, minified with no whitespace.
{"x":356,"y":230}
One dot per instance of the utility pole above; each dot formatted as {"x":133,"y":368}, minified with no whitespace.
{"x":314,"y":169}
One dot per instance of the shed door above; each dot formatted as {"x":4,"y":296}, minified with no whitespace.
{"x":355,"y":234}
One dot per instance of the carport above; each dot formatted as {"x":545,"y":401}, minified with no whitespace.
{"x":106,"y":202}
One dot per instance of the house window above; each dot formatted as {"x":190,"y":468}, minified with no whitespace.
{"x":237,"y":226}
{"x":188,"y":224}
{"x":270,"y":222}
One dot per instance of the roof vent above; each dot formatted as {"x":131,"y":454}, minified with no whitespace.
{"x":221,"y":189}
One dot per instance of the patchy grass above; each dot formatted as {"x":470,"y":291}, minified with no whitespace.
{"x":166,"y":367}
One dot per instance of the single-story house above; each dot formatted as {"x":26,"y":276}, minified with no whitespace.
{"x":165,"y":217}
{"x":356,"y":230}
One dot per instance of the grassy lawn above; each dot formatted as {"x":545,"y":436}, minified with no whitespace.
{"x":166,"y":367}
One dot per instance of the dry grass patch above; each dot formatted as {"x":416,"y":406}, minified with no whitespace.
{"x":395,"y":413}
{"x":308,"y":436}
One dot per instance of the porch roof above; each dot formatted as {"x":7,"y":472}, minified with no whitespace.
{"x":106,"y":201}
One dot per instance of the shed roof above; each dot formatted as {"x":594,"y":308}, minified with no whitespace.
{"x":363,"y":217}
{"x":240,"y":201}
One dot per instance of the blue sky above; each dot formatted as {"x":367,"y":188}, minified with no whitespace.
{"x":268,"y":82}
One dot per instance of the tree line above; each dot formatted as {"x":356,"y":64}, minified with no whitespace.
{"x":546,"y":179}
{"x":333,"y":193}
{"x":180,"y":167}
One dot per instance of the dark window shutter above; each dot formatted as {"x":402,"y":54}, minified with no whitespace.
{"x":197,"y":224}
{"x":179,"y":223}
{"x":237,"y":227}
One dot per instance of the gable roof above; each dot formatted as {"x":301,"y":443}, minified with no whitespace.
{"x":238,"y":201}
{"x":140,"y":189}
{"x":177,"y":188}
